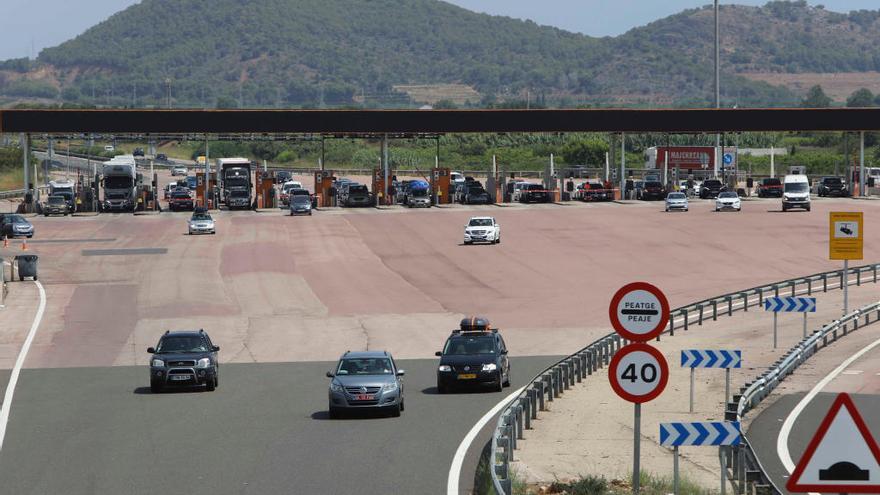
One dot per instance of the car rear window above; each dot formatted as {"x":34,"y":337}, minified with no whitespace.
{"x":831,"y":180}
{"x":464,"y":345}
{"x":180,"y":195}
{"x":772,"y":182}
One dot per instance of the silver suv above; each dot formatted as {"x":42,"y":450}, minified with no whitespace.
{"x":366,"y":380}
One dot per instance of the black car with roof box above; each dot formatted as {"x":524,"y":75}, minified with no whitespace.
{"x":475,"y":354}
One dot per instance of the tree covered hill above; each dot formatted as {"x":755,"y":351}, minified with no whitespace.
{"x":267,"y":53}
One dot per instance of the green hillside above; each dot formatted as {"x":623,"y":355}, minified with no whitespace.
{"x":291,"y":53}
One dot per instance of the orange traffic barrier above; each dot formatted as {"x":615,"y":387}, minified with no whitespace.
{"x":24,"y":244}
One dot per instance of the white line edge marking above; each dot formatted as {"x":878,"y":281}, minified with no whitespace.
{"x":16,"y":370}
{"x":782,"y":440}
{"x":452,"y":480}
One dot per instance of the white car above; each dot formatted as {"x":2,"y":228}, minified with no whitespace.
{"x":109,"y":147}
{"x":201,"y":223}
{"x":482,"y":229}
{"x":728,"y":200}
{"x":178,"y":171}
{"x":676,"y":201}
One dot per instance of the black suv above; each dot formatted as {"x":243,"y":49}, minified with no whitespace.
{"x":711,"y":188}
{"x":832,"y":186}
{"x":653,"y":190}
{"x":473,"y":354}
{"x":534,"y":193}
{"x":187,"y":358}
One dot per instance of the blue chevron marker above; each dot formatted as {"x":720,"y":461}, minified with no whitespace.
{"x":790,"y":304}
{"x":696,"y":358}
{"x":712,"y":433}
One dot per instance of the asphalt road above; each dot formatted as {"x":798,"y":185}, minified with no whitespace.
{"x":265,"y":430}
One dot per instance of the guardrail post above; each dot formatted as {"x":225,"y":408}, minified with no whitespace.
{"x":583,"y":358}
{"x":824,"y":282}
{"x":792,"y":284}
{"x":671,"y":326}
{"x":519,"y":422}
{"x":607,"y":354}
{"x":809,"y":286}
{"x":511,"y":434}
{"x":560,"y":380}
{"x":775,"y":291}
{"x":841,"y":279}
{"x":700,"y":318}
{"x":527,"y":414}
{"x":684,"y":311}
{"x":565,"y":376}
{"x":541,"y":388}
{"x":577,"y":368}
{"x":589,"y":356}
{"x":858,"y":278}
{"x":875,"y":273}
{"x":729,"y":306}
{"x":745,"y":301}
{"x":760,"y":296}
{"x":714,"y":310}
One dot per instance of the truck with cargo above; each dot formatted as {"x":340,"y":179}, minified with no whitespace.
{"x":120,"y":182}
{"x":235,"y":177}
{"x":65,"y":188}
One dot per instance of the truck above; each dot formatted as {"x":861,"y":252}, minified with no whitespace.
{"x":417,"y":193}
{"x":120,"y":182}
{"x":66,"y":188}
{"x":235,"y":181}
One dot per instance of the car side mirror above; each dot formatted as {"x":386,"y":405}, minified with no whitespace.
{"x":438,"y":353}
{"x":330,"y":374}
{"x":401,"y":372}
{"x":151,"y":350}
{"x":504,"y":351}
{"x":215,"y":348}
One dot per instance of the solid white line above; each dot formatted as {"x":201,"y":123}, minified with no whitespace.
{"x":785,"y":431}
{"x":16,"y":370}
{"x":458,"y":459}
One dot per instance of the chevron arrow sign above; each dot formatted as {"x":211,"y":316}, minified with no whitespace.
{"x":702,"y":358}
{"x":790,"y":304}
{"x":710,"y":433}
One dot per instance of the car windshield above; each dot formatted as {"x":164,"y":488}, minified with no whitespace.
{"x":182,"y":344}
{"x":365,"y":366}
{"x":17,"y":219}
{"x":712,"y":183}
{"x":676,"y":196}
{"x":464,"y":345}
{"x":795,"y":187}
{"x":238,"y":194}
{"x":201,"y":216}
{"x":480,"y":222}
{"x":772,"y":182}
{"x":301,"y":200}
{"x":728,"y":195}
{"x":56,"y":200}
{"x":831,"y":180}
{"x":597,"y":186}
{"x":357,"y":189}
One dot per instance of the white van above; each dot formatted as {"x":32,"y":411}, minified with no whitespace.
{"x":795,"y":192}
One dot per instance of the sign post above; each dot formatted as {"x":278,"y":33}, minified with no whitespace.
{"x":638,"y":373}
{"x":713,"y":433}
{"x":790,"y":305}
{"x":846,"y":242}
{"x":695,"y":358}
{"x":842,"y":457}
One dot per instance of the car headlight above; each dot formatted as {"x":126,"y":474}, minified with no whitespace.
{"x":157,"y":363}
{"x":490,"y":367}
{"x":391,"y":386}
{"x":785,"y":198}
{"x":204,"y":363}
{"x":336,"y":387}
{"x":444,"y":368}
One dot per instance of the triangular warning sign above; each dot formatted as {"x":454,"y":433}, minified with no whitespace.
{"x":842,"y":457}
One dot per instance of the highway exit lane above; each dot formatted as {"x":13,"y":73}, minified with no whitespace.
{"x":265,"y":430}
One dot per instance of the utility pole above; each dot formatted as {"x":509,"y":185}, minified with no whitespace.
{"x":717,"y":69}
{"x":168,"y":92}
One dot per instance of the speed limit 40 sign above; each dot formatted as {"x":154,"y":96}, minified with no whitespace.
{"x":638,"y":373}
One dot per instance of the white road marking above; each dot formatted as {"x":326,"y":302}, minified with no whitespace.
{"x":16,"y":370}
{"x":785,"y":431}
{"x":458,"y":459}
{"x":853,"y":372}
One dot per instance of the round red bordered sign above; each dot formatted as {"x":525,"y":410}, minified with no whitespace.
{"x":639,"y":311}
{"x":638,"y":373}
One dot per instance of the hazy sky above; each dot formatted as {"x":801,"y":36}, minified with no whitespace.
{"x":27,"y":26}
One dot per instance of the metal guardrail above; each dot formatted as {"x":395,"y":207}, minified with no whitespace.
{"x":18,"y":193}
{"x":554,"y":380}
{"x":743,"y":465}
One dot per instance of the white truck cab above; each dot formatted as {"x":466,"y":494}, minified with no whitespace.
{"x":795,"y":192}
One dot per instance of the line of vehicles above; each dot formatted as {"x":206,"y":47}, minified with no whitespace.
{"x":794,"y":191}
{"x":474,"y":355}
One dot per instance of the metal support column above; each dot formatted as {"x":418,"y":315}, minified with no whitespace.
{"x":384,"y":168}
{"x":637,"y":443}
{"x":862,"y":181}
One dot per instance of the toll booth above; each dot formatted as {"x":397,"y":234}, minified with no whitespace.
{"x":382,"y":190}
{"x":204,"y":189}
{"x":323,"y":187}
{"x":440,"y":186}
{"x":264,"y":183}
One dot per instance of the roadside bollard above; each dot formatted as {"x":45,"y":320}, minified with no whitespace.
{"x":577,"y":368}
{"x":540,"y":391}
{"x":589,"y":357}
{"x":550,"y":387}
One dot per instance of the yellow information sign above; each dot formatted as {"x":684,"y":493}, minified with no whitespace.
{"x":846,"y":235}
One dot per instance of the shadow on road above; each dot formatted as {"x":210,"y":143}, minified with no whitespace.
{"x":175,"y":390}
{"x":360,"y":414}
{"x":463,"y":390}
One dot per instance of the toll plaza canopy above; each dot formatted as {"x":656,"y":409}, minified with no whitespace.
{"x":353,"y":122}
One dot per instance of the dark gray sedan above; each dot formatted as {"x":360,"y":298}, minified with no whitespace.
{"x":367,"y":380}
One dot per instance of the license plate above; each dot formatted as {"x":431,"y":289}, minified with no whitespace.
{"x":365,"y":397}
{"x":467,"y":376}
{"x":180,"y":377}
